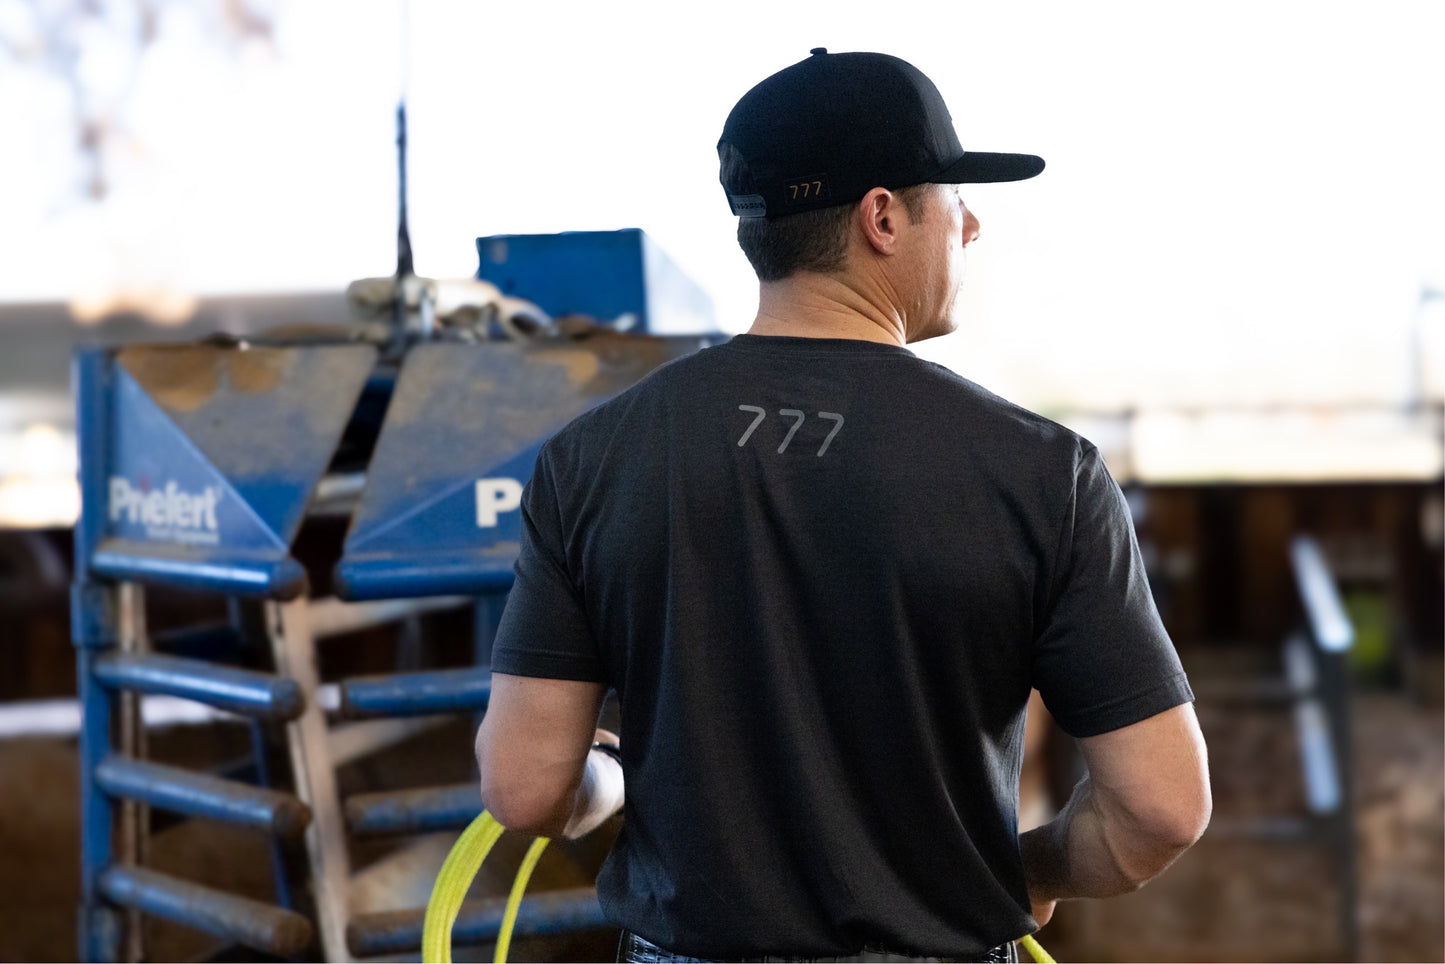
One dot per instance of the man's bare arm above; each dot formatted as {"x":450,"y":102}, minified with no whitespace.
{"x":1145,"y":800}
{"x":537,"y":775}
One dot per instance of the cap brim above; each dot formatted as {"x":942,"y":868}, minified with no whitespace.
{"x":981,"y":167}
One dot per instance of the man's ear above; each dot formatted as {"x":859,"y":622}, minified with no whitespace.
{"x":878,"y":215}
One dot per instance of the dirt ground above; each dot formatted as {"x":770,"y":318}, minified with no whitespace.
{"x":1230,"y":899}
{"x":1239,"y":897}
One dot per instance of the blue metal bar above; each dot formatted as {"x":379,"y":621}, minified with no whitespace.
{"x":89,"y":375}
{"x":1335,"y":691}
{"x":414,"y":811}
{"x":260,"y":926}
{"x":386,"y":575}
{"x":201,"y":795}
{"x":99,"y":927}
{"x":1328,"y":621}
{"x":417,"y":694}
{"x":543,"y":914}
{"x":226,"y":687}
{"x":1317,"y":757}
{"x":92,"y":628}
{"x":1325,"y":731}
{"x":233,"y":571}
{"x":278,"y":856}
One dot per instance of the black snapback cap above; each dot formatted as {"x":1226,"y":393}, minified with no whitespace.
{"x":829,"y":129}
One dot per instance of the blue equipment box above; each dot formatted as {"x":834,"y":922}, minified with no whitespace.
{"x":607,"y":275}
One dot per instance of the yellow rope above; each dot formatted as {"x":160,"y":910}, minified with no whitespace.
{"x":451,"y":886}
{"x":460,"y":868}
{"x":514,"y":899}
{"x":1036,"y":950}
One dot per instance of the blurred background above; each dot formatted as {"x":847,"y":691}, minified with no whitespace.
{"x":1231,"y":277}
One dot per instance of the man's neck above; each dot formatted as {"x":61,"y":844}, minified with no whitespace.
{"x":810,"y":305}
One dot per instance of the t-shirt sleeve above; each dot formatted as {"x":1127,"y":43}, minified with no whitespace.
{"x":1104,"y":659}
{"x":544,"y":630}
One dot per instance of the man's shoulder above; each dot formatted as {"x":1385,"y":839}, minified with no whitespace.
{"x":971,"y":409}
{"x":956,"y":408}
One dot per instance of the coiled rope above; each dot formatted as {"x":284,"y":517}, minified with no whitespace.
{"x":461,"y":867}
{"x":456,"y":876}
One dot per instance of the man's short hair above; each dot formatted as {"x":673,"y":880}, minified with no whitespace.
{"x":814,"y":241}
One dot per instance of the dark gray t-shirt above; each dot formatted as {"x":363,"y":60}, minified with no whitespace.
{"x":823,"y":576}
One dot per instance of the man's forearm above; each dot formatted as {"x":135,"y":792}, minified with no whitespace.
{"x":1092,"y":850}
{"x":598,"y":796}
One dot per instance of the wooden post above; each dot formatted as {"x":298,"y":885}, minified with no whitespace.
{"x":134,"y":842}
{"x":313,"y":769}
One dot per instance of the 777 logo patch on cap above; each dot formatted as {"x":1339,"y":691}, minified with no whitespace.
{"x":810,"y":188}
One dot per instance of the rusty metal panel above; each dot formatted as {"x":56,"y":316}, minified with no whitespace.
{"x":265,"y":419}
{"x":440,"y":511}
{"x":209,"y":457}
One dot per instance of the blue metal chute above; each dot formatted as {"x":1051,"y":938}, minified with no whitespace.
{"x":204,"y":466}
{"x":212,"y":455}
{"x":440,"y":513}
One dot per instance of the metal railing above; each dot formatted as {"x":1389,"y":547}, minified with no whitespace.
{"x":1317,"y":666}
{"x":1315,"y":689}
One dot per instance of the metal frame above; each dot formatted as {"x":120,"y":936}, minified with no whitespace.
{"x":1320,"y":676}
{"x":1315,"y":688}
{"x":152,"y":438}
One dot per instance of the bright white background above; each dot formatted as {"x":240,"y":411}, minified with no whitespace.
{"x":1242,"y":201}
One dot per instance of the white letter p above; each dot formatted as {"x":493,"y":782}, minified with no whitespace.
{"x":494,"y":496}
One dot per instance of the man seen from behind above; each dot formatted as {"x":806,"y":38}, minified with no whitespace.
{"x":823,"y":576}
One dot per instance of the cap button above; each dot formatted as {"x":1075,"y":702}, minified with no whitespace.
{"x":818,"y":50}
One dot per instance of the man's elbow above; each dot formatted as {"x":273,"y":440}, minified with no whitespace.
{"x":1161,"y":834}
{"x":526,"y":812}
{"x":513,"y":794}
{"x":1193,"y":821}
{"x":1181,"y":827}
